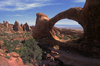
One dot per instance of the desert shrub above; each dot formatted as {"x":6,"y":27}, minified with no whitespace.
{"x":20,"y":36}
{"x":24,"y":53}
{"x":4,"y":34}
{"x":8,"y":57}
{"x":7,"y":44}
{"x":28,"y":34}
{"x":0,"y":34}
{"x":65,"y":37}
{"x":30,"y":51}
{"x":10,"y":45}
{"x":74,"y":37}
{"x":17,"y":33}
{"x":8,"y":37}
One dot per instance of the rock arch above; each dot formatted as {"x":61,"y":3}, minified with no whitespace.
{"x":88,"y":17}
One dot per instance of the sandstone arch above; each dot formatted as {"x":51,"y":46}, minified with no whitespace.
{"x":88,"y":17}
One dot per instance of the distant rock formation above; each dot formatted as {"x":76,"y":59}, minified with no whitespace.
{"x":17,"y":26}
{"x":21,"y":25}
{"x":88,"y":17}
{"x":31,"y":27}
{"x":6,"y":23}
{"x":26,"y":27}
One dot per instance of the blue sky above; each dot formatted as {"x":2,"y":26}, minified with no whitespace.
{"x":25,"y":10}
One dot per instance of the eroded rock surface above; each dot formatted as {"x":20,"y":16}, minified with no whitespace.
{"x":87,"y":17}
{"x":41,"y":29}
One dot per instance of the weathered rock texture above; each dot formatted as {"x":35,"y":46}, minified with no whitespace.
{"x":17,"y":27}
{"x":88,"y":17}
{"x":26,"y":27}
{"x":41,"y":29}
{"x":14,"y":59}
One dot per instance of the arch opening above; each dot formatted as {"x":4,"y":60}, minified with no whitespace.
{"x":68,"y":29}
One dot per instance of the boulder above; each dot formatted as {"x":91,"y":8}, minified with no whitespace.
{"x":17,"y":27}
{"x":13,"y":54}
{"x":1,"y":51}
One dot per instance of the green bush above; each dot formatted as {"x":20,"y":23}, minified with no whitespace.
{"x":65,"y":37}
{"x":74,"y":37}
{"x":30,"y":51}
{"x":10,"y":45}
{"x":7,"y":44}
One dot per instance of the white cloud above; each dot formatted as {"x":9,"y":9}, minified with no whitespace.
{"x":17,"y":15}
{"x":15,"y":5}
{"x":80,"y":1}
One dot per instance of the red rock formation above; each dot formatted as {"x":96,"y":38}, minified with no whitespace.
{"x":41,"y":29}
{"x":14,"y":60}
{"x":87,"y":17}
{"x":17,"y":27}
{"x":32,"y":27}
{"x":26,"y":27}
{"x":5,"y":23}
{"x":21,"y":25}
